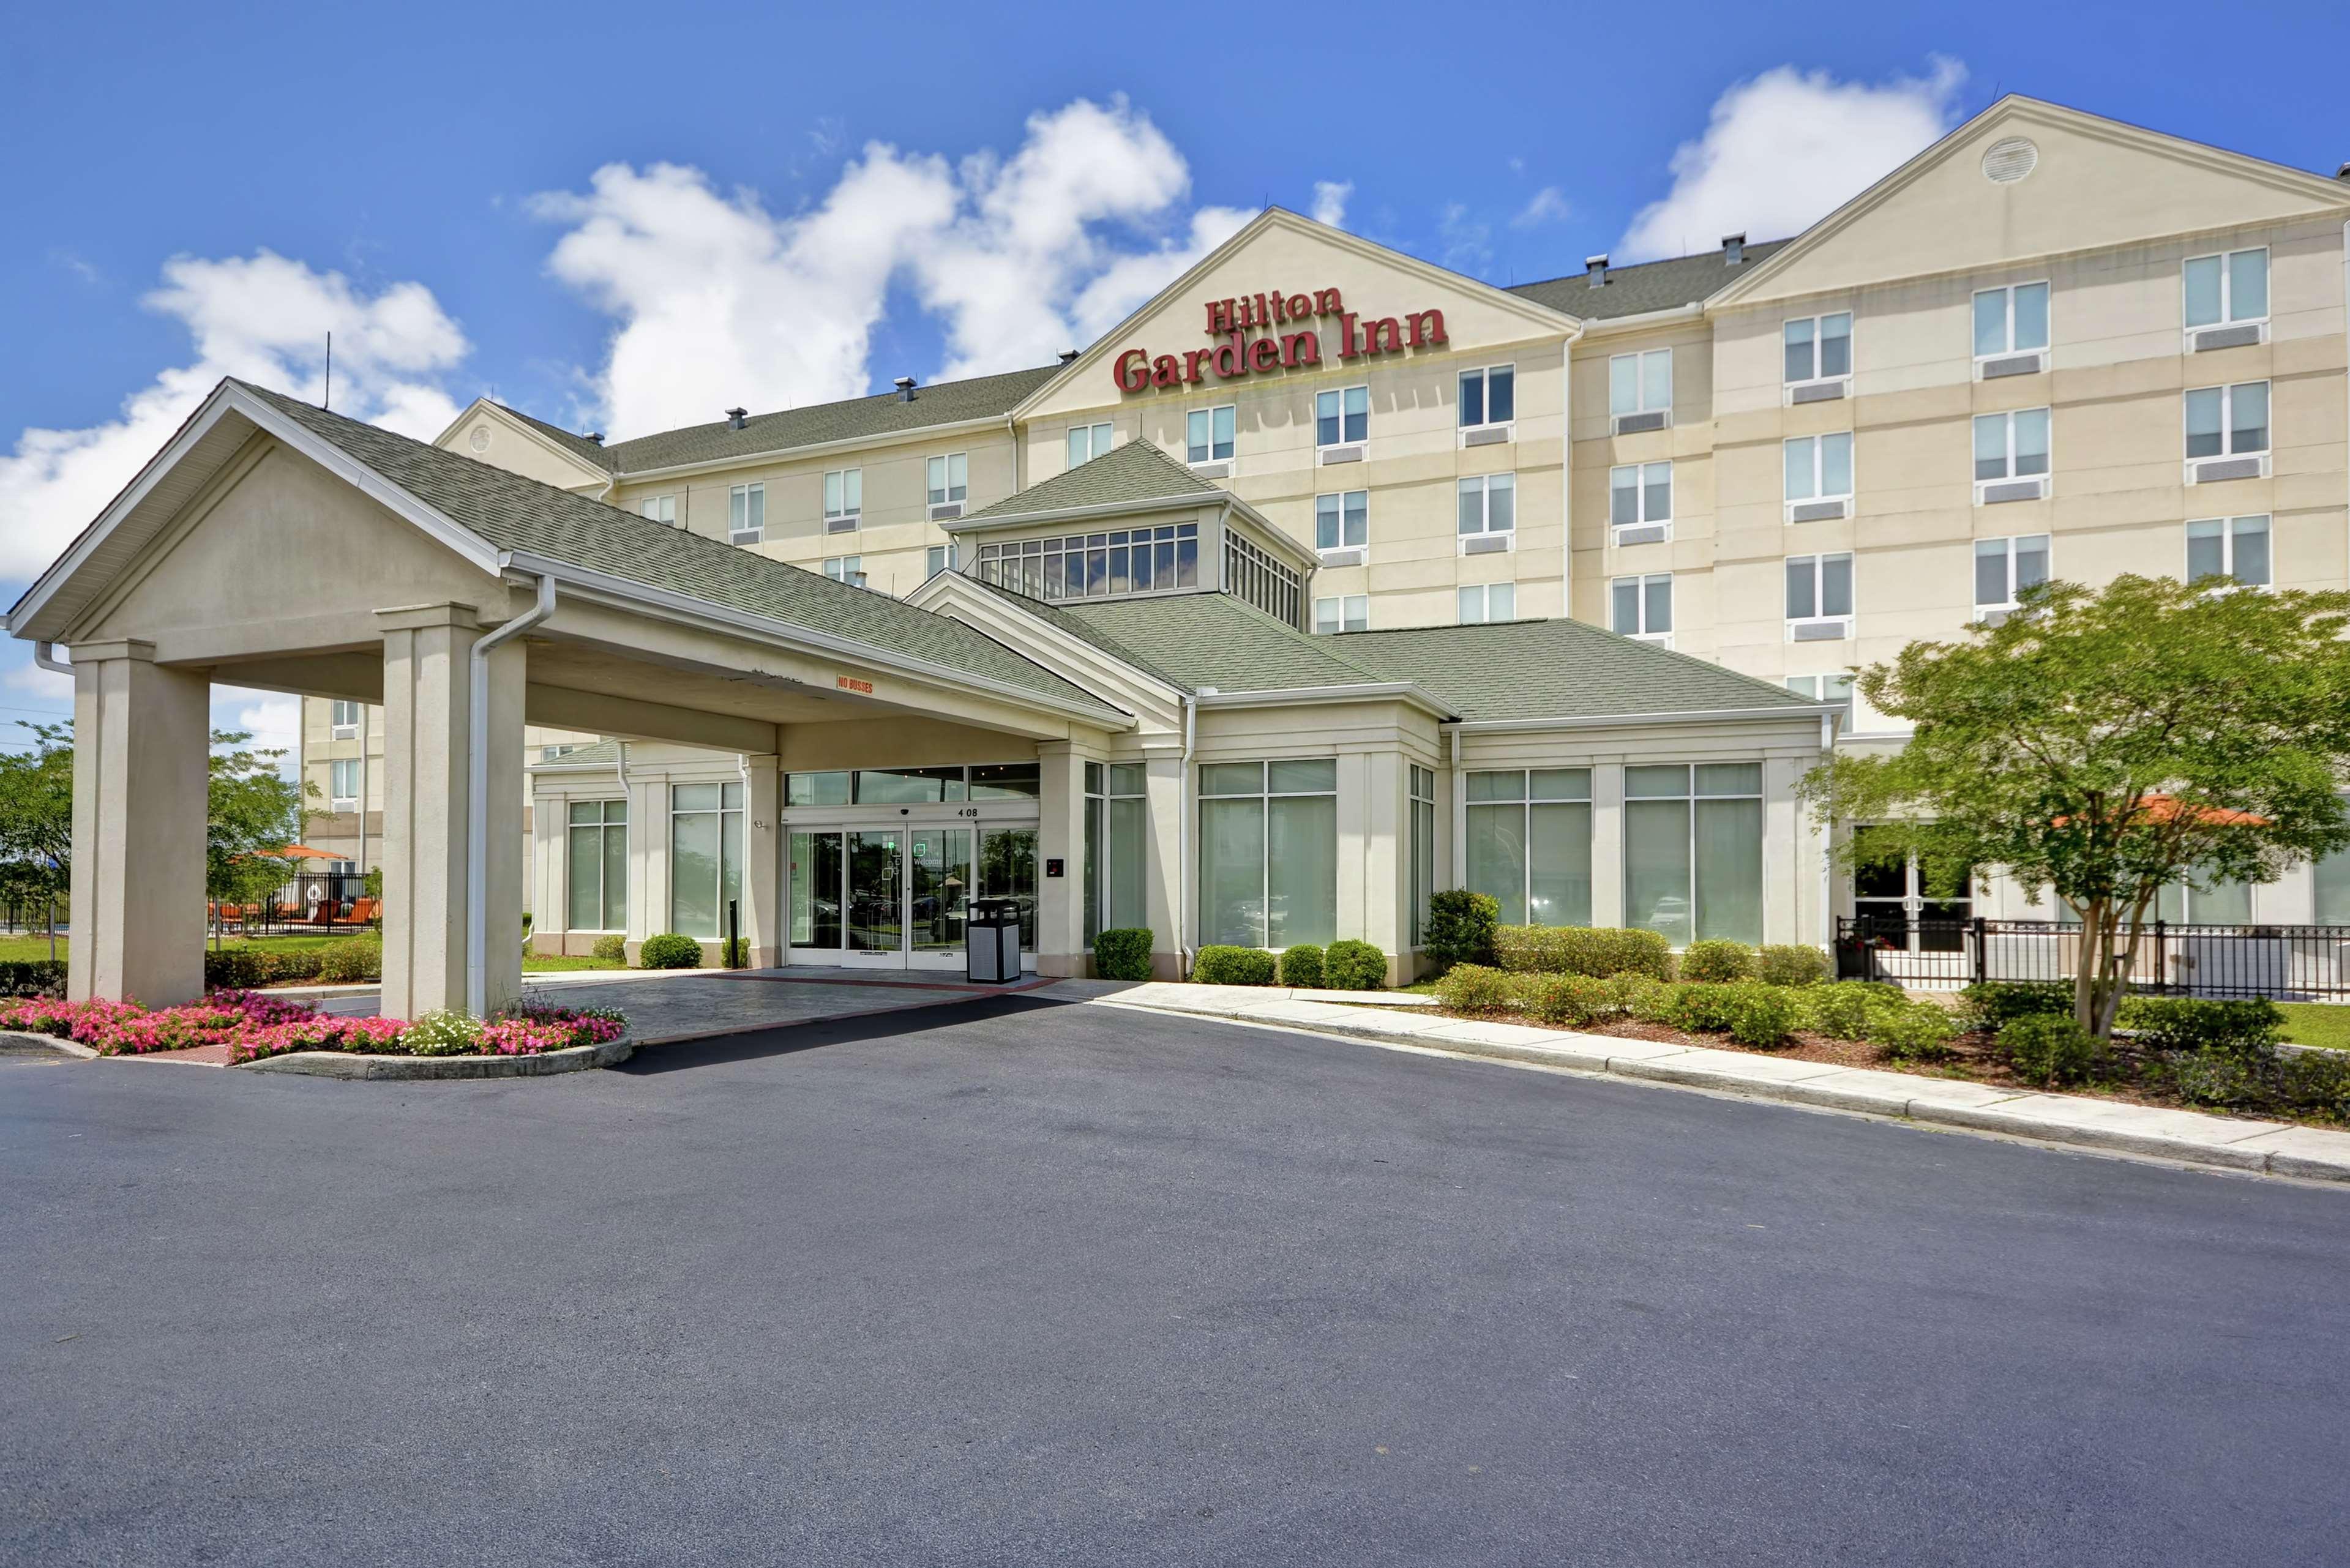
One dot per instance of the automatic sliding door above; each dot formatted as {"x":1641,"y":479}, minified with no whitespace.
{"x":1007,"y":870}
{"x":939,"y":879}
{"x":877,"y":922}
{"x":817,"y":870}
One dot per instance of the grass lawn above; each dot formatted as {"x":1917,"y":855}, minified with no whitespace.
{"x":2316,"y":1023}
{"x":33,"y":948}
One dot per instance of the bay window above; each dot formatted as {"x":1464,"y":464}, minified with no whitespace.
{"x":1693,"y":851}
{"x":1208,"y":436}
{"x":2234,"y":547}
{"x":596,"y":833}
{"x":2013,"y":320}
{"x":1642,"y":607}
{"x":705,"y":856}
{"x":746,"y":513}
{"x":1348,"y":612}
{"x":1269,"y":853}
{"x":1343,"y":521}
{"x":1529,"y":844}
{"x":1342,"y":416}
{"x":1818,"y":348}
{"x":1481,"y":602}
{"x":1488,"y":397}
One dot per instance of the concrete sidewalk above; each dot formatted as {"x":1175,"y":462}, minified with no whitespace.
{"x":2274,"y":1149}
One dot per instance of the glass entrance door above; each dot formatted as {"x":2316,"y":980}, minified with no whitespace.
{"x":1007,"y":870}
{"x":937,"y":886}
{"x":1895,"y":902}
{"x":899,"y":897}
{"x":877,"y":899}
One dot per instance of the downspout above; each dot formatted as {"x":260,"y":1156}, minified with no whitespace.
{"x":1183,"y":843}
{"x":45,"y":655}
{"x":477,"y":794}
{"x":1827,"y":846}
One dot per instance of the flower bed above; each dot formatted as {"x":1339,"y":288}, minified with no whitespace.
{"x":254,"y":1025}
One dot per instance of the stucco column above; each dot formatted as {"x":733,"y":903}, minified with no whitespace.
{"x":1061,"y":947}
{"x":762,"y":849}
{"x":141,"y":743}
{"x":1608,"y":844}
{"x":1164,"y":871}
{"x":427,"y":720}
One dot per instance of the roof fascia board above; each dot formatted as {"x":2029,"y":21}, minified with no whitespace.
{"x":1807,"y":711}
{"x":811,"y":448}
{"x":1299,"y":696}
{"x":513,"y":421}
{"x":1613,"y":326}
{"x":951,"y":594}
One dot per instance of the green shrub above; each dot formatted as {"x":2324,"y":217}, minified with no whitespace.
{"x":612,"y":949}
{"x":2316,"y":1082}
{"x":1843,"y":1010}
{"x":1475,"y":987}
{"x":2049,"y":1050}
{"x":1783,"y":963}
{"x":1123,"y":953}
{"x":442,"y":1034}
{"x":1460,"y":926}
{"x":1218,"y":965}
{"x":1300,"y":967}
{"x":2213,"y":1078}
{"x":2245,"y":1029}
{"x":1762,"y":1015}
{"x":1599,"y":951}
{"x":1703,"y":1007}
{"x":1994,"y":1005}
{"x":1353,"y":966}
{"x":1913,"y":1032}
{"x":1563,"y":1001}
{"x":1717,"y":960}
{"x":41,"y":977}
{"x":1654,"y":1001}
{"x":352,"y":960}
{"x":669,"y":950}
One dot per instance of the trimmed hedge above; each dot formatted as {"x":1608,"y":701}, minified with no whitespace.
{"x":2050,"y":1049}
{"x":1477,"y":988}
{"x":669,"y":950}
{"x":1783,"y":963}
{"x":351,"y":961}
{"x":612,"y":949}
{"x":1300,"y":967}
{"x":1992,"y":1005}
{"x":1216,"y":964}
{"x":1598,"y":951}
{"x":1461,"y":928}
{"x":1353,"y":966}
{"x":2246,"y":1030}
{"x":35,"y":977}
{"x":1717,"y":960}
{"x":249,"y":969}
{"x":1123,"y":953}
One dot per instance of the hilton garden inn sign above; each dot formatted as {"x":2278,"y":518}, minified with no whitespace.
{"x":1236,"y":353}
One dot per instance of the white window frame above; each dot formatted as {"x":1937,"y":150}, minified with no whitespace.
{"x":1819,"y":595}
{"x":1833,"y":686}
{"x":1098,"y":439}
{"x":599,"y":828}
{"x":1482,"y":593}
{"x":1483,"y":375}
{"x":2228,"y":534}
{"x":2006,"y":606}
{"x":340,"y":728}
{"x":1347,"y":612}
{"x":946,"y":479}
{"x":2008,"y":308}
{"x":335,"y":772}
{"x":747,"y":503}
{"x":2228,"y":453}
{"x":850,"y":512}
{"x":1817,"y":377}
{"x":1485,"y":529}
{"x":1640,"y":583}
{"x":1821,"y":495}
{"x":1342,"y":443}
{"x":1231,"y":439}
{"x":2228,"y":294}
{"x":940,"y":558}
{"x":1640,"y":517}
{"x":844,"y":568}
{"x":1639,"y":359}
{"x":660,"y":509}
{"x":2046,"y":476}
{"x":1339,"y":499}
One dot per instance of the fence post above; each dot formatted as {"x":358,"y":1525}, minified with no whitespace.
{"x":1983,"y":950}
{"x":2161,"y":956}
{"x":733,"y":933}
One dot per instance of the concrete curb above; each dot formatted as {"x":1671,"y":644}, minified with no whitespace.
{"x":65,"y":1047}
{"x":351,"y":1064}
{"x":2112,"y":1127}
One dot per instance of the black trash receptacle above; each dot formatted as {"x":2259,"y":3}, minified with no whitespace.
{"x":992,"y":940}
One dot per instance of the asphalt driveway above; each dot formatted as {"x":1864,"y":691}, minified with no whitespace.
{"x":1017,"y":1282}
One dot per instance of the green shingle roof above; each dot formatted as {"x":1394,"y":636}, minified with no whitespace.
{"x":1138,"y":470}
{"x":1645,"y":285}
{"x":1212,"y":640}
{"x":591,"y":452}
{"x":597,"y":753}
{"x":509,"y":511}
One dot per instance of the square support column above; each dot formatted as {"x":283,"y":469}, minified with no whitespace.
{"x":763,"y":859}
{"x":1167,"y":870}
{"x":142,"y":744}
{"x":427,"y":710}
{"x":1061,"y":946}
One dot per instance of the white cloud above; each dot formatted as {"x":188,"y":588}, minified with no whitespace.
{"x":1330,"y":202}
{"x":1787,"y":148}
{"x":1468,"y":244}
{"x":47,"y":688}
{"x":1547,"y":205}
{"x":265,"y":318}
{"x":720,"y":301}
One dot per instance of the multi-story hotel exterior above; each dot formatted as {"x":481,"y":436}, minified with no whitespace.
{"x":1327,"y":513}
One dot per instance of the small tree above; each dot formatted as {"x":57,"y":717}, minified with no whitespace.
{"x":36,"y":822}
{"x":2108,"y":744}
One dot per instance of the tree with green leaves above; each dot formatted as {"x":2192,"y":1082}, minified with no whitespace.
{"x":252,"y":812}
{"x":37,"y":823}
{"x":2107,"y":744}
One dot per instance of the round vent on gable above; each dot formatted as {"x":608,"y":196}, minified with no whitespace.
{"x":480,"y":440}
{"x":2010,"y":159}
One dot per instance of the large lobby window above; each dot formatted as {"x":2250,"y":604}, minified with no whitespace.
{"x":1423,"y":848}
{"x":1530,"y":843}
{"x":598,"y":846}
{"x":1269,"y":853}
{"x":705,"y":856}
{"x":1117,"y":826}
{"x":1693,"y":851}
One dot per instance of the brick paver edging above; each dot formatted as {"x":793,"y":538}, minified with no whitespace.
{"x":2273,"y":1149}
{"x":354,"y":1064}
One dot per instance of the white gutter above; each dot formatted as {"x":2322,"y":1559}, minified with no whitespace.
{"x":45,"y":655}
{"x":810,"y":449}
{"x":1183,"y":842}
{"x":1605,"y":720}
{"x":1827,"y":850}
{"x":477,"y":795}
{"x":1363,"y":691}
{"x":1612,"y":326}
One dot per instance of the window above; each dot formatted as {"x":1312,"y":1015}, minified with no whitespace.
{"x":550,"y":754}
{"x":1269,"y":853}
{"x":1484,"y":602}
{"x":346,"y":721}
{"x":2225,"y":290}
{"x":1819,"y":348}
{"x":2005,"y":568}
{"x":1255,"y":577}
{"x":598,"y":861}
{"x":2330,"y":883}
{"x":343,"y":785}
{"x":1693,"y":851}
{"x":746,"y":513}
{"x":1640,"y":383}
{"x":1837,"y":687}
{"x":1423,"y":848}
{"x":2234,"y":547}
{"x":1350,"y":613}
{"x":2011,"y":446}
{"x":659,"y":509}
{"x":1209,"y":436}
{"x":1489,"y":397}
{"x":1530,"y":843}
{"x":1087,"y":443}
{"x":1117,"y":826}
{"x":1643,"y":606}
{"x":949,"y":479}
{"x":845,"y":568}
{"x":914,"y":786}
{"x":1342,"y":522}
{"x":1342,"y":416}
{"x":1639,"y":493}
{"x":844,"y":499}
{"x":705,"y":856}
{"x":1819,"y":588}
{"x":1819,"y":468}
{"x":2216,"y":904}
{"x":1092,"y":565}
{"x":1489,"y":503}
{"x":2012,"y":320}
{"x":936,"y":559}
{"x":2228,"y":421}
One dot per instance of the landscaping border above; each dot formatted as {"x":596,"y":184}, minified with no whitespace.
{"x":356,"y":1064}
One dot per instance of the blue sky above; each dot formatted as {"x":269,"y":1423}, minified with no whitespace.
{"x":632,"y":217}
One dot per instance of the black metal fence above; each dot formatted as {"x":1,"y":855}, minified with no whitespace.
{"x":309,"y":900}
{"x":2288,"y":962}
